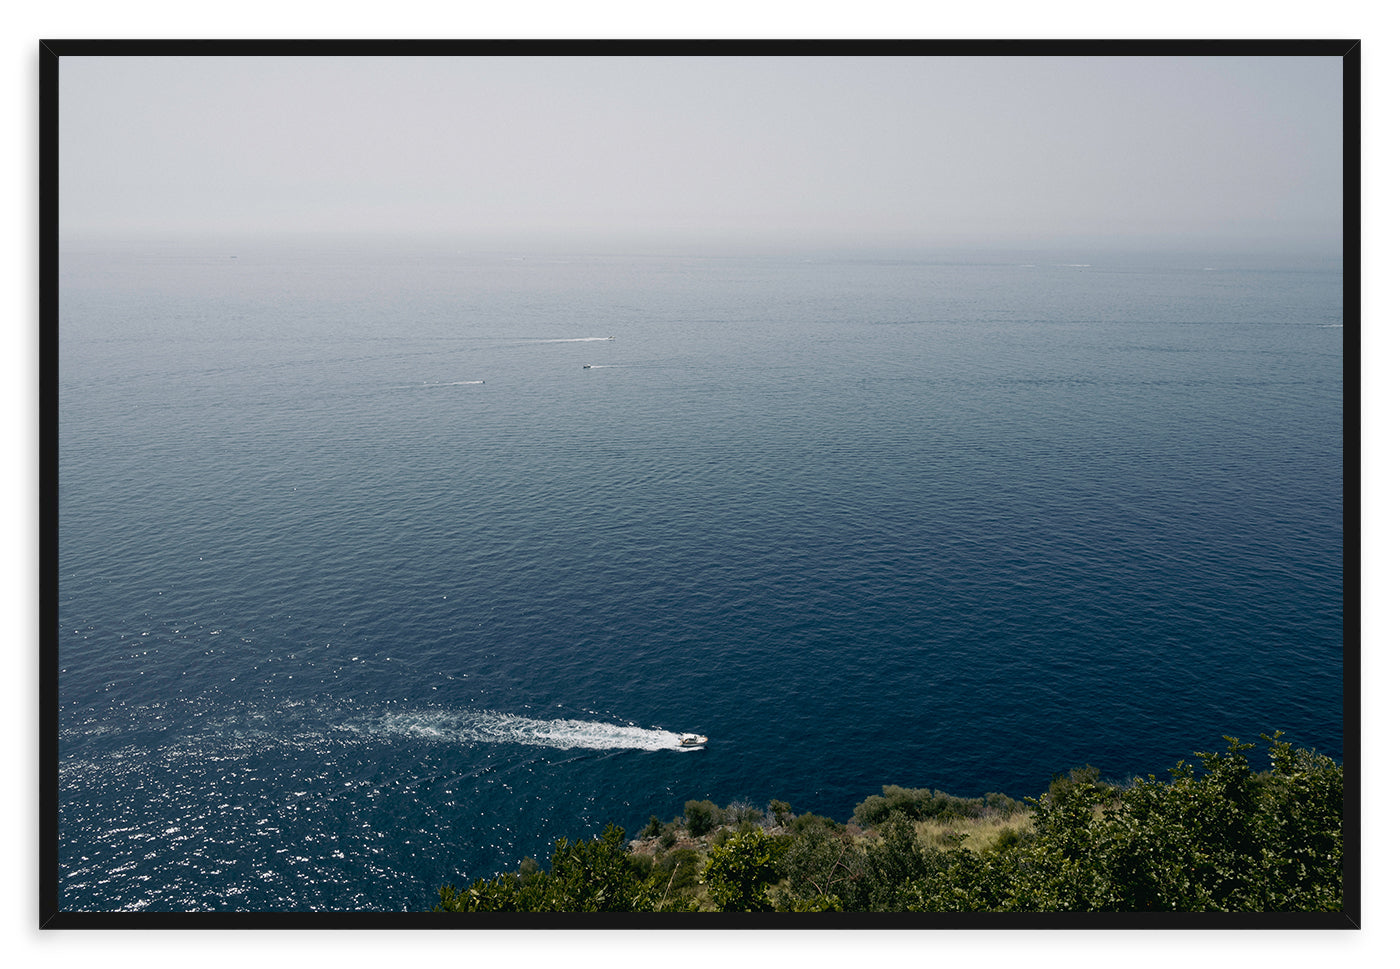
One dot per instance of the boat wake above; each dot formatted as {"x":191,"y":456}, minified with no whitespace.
{"x":494,"y":727}
{"x":575,"y":339}
{"x":430,"y":384}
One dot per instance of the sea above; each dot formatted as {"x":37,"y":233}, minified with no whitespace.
{"x":382,"y":565}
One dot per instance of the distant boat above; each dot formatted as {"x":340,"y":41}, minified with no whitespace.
{"x":588,"y":366}
{"x":693,"y":740}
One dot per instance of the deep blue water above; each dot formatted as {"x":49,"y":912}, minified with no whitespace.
{"x":368,"y":584}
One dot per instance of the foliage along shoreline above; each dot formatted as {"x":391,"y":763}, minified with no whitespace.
{"x":1216,"y":836}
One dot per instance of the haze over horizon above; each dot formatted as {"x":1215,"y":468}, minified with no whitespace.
{"x":1162,"y":152}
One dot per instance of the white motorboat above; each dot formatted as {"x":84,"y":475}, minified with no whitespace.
{"x":693,"y":740}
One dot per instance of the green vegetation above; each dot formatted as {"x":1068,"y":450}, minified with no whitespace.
{"x":920,"y":805}
{"x":1217,"y":836}
{"x":702,"y":817}
{"x":740,"y":870}
{"x":585,"y":876}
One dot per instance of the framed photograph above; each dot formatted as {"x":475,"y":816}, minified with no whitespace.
{"x":700,"y":484}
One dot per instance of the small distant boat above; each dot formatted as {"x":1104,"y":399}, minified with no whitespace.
{"x":588,"y":366}
{"x":693,"y":740}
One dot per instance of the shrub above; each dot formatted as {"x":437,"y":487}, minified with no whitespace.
{"x":682,"y":865}
{"x":894,"y":861}
{"x":595,"y":875}
{"x":740,"y":871}
{"x":1006,"y":839}
{"x":947,"y":807}
{"x":916,"y":803}
{"x":702,"y":817}
{"x":921,"y":804}
{"x":821,"y":865}
{"x":1226,"y":839}
{"x":641,"y":865}
{"x":675,"y":875}
{"x":741,"y":813}
{"x":1086,"y":776}
{"x":812,"y":822}
{"x":1002,"y":805}
{"x":815,"y":903}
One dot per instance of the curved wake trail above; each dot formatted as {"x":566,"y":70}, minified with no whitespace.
{"x":493,"y":727}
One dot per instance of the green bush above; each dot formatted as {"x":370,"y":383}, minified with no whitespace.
{"x":1226,"y":839}
{"x":893,"y":861}
{"x":702,"y":817}
{"x":820,"y":866}
{"x":1006,"y":839}
{"x":683,"y":864}
{"x":876,"y":809}
{"x":1086,"y":777}
{"x":812,"y":822}
{"x":1001,"y":805}
{"x":917,"y":804}
{"x":740,"y":871}
{"x":596,"y":875}
{"x":676,"y":874}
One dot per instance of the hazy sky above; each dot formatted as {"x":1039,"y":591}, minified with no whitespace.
{"x":859,"y":150}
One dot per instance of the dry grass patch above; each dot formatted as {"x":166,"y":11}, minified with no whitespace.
{"x":980,"y":833}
